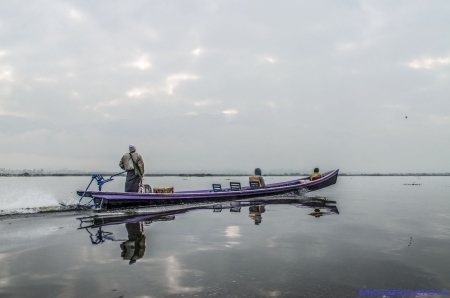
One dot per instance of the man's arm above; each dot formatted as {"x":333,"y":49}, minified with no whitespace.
{"x":121,"y":164}
{"x":141,"y":165}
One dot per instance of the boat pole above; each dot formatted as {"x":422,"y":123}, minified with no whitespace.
{"x":84,"y":193}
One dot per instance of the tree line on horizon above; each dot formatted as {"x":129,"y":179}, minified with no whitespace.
{"x":28,"y":174}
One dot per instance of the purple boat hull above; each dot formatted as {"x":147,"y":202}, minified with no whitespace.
{"x":127,"y":199}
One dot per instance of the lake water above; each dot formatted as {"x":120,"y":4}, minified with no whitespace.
{"x":385,"y":236}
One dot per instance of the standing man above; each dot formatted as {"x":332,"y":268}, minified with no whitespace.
{"x":134,"y":165}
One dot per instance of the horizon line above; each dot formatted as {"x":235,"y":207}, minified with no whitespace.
{"x":219,"y":174}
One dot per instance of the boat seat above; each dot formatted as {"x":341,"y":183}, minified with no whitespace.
{"x":217,"y":187}
{"x":254,"y":185}
{"x":235,"y":186}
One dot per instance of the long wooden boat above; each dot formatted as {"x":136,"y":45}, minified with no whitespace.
{"x":106,"y":199}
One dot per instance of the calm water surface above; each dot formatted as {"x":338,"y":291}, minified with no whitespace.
{"x":387,"y":235}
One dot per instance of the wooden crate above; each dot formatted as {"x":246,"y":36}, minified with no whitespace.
{"x":163,"y":189}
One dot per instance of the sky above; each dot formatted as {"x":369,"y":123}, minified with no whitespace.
{"x":226,"y":86}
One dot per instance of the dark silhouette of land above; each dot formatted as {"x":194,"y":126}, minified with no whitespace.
{"x":27,"y":174}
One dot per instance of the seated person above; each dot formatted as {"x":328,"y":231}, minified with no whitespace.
{"x":258,"y":178}
{"x":316,"y":175}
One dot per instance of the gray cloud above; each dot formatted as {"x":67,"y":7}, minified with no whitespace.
{"x":226,"y":86}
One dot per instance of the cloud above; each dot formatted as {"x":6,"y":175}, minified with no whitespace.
{"x":397,"y":107}
{"x":271,"y":104}
{"x":351,"y":46}
{"x":230,"y":113}
{"x":142,"y":63}
{"x":137,"y":92}
{"x":376,"y":16}
{"x":440,"y":119}
{"x":6,"y":82}
{"x":429,"y":63}
{"x":45,"y":80}
{"x":207,"y":102}
{"x":75,"y":14}
{"x":6,"y":76}
{"x":173,"y":81}
{"x":99,"y":107}
{"x":197,"y":51}
{"x":267,"y":59}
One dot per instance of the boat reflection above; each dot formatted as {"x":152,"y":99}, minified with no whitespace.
{"x":320,"y":203}
{"x":101,"y":236}
{"x":108,"y":219}
{"x":133,"y":248}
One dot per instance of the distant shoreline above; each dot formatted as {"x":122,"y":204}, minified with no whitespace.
{"x":221,"y":175}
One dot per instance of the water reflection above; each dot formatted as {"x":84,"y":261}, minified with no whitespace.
{"x":133,"y":248}
{"x":318,"y":213}
{"x":100,"y":236}
{"x":255,"y":213}
{"x":321,"y":203}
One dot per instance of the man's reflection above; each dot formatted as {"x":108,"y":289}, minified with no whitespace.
{"x":134,"y":248}
{"x":255,"y":213}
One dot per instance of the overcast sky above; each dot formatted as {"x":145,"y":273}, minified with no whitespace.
{"x":226,"y":86}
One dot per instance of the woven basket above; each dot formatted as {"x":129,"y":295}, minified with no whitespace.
{"x":163,"y":189}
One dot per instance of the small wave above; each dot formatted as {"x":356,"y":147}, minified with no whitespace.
{"x":23,"y":199}
{"x":27,"y":201}
{"x":32,"y":210}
